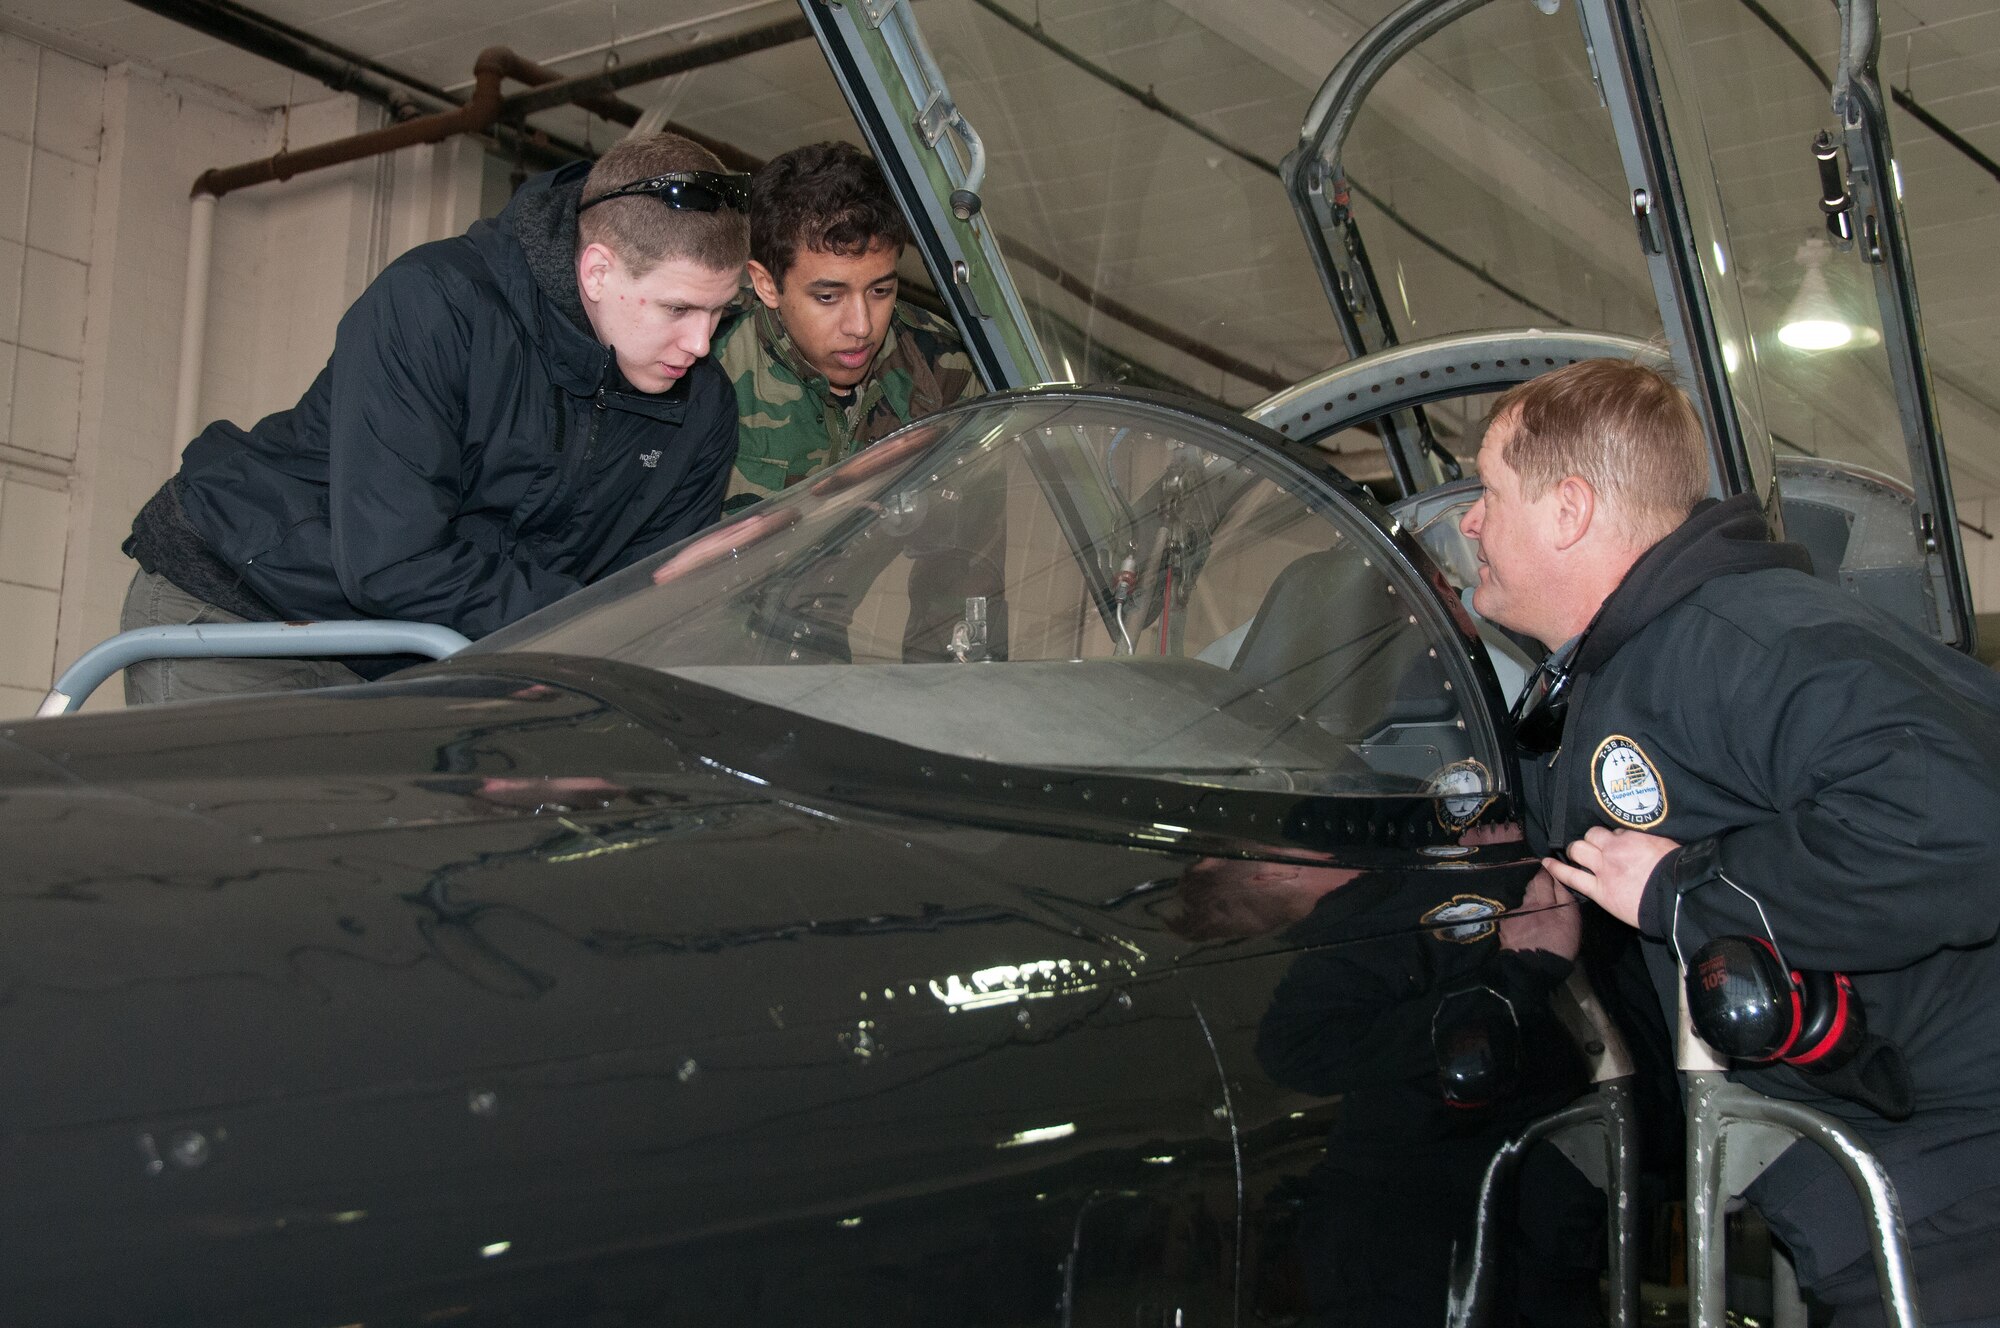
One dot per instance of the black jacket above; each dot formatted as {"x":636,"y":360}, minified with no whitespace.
{"x":470,"y":453}
{"x":1847,"y":772}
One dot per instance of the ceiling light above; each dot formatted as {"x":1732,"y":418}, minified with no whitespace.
{"x":1813,"y":322}
{"x":1816,"y":334}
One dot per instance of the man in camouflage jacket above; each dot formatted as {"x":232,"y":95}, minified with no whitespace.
{"x":826,"y":360}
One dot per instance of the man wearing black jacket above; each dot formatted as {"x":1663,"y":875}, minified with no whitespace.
{"x":1740,"y":734}
{"x":506,"y":416}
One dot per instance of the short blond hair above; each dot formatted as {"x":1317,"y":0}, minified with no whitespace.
{"x":645,"y":233}
{"x":1625,"y":429}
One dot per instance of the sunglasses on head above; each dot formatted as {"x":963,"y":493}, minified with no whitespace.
{"x":691,"y":191}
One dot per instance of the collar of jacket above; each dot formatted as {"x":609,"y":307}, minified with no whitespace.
{"x":779,"y":346}
{"x":531,"y":250}
{"x":1719,"y":538}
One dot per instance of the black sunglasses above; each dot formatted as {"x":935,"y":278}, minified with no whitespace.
{"x":691,"y":191}
{"x":1537,"y":717}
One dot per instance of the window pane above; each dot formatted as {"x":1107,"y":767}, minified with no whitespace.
{"x":1071,"y":583}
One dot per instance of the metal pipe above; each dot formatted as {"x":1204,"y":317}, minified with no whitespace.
{"x":701,"y":54}
{"x":246,"y":640}
{"x":194,"y":323}
{"x":477,"y":114}
{"x":346,"y":71}
{"x":340,"y":69}
{"x":1474,"y":1270}
{"x":487,"y":106}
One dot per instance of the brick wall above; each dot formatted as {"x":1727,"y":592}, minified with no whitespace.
{"x":95,"y":168}
{"x":51,"y":117}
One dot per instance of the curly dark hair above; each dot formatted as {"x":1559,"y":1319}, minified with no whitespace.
{"x":828,"y":197}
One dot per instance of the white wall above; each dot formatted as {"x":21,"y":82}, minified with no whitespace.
{"x":51,"y":115}
{"x":95,"y":169}
{"x":1982,"y":555}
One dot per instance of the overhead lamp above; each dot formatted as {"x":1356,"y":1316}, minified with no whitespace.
{"x":1816,"y":334}
{"x":1812,"y":322}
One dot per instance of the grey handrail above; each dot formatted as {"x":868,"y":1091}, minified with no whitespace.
{"x":1733,"y":1134}
{"x":245,"y":641}
{"x":1598,"y":1133}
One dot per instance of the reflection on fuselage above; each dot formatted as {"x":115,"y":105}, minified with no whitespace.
{"x":1422,"y":1052}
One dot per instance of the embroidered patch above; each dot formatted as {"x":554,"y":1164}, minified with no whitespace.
{"x":1463,"y":919}
{"x":1463,"y":789}
{"x":1626,"y":784}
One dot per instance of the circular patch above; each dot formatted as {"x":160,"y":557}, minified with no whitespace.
{"x":1463,"y":790}
{"x":1626,"y":784}
{"x":1463,"y":919}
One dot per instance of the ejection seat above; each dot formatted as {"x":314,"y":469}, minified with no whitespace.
{"x":1331,"y":644}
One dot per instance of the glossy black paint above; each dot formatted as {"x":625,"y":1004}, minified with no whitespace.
{"x":528,"y":989}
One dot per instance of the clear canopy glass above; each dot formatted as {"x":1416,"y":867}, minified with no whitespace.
{"x":1802,"y":333}
{"x":1069,"y":581}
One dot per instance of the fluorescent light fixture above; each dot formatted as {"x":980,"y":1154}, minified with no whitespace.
{"x":1730,"y":358}
{"x":1159,"y":1160}
{"x":1041,"y":1134}
{"x":1721,"y":260}
{"x":848,"y":1223}
{"x":1814,"y":321}
{"x":496,"y":1249}
{"x":1816,"y":334}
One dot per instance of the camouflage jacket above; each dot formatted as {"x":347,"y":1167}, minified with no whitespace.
{"x":790,"y":426}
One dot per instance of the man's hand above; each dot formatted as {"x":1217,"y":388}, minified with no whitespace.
{"x":725,"y":541}
{"x":1611,"y":867}
{"x":1545,"y":920}
{"x":872,"y":461}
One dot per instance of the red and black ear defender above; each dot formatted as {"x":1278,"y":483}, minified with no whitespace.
{"x":1476,"y":1038}
{"x":1748,"y":1006}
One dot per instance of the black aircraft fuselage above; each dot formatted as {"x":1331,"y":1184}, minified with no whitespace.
{"x":546,"y":990}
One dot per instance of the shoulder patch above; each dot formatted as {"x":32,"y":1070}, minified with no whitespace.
{"x":1463,"y":790}
{"x":1464,"y":919}
{"x":1627,"y":784}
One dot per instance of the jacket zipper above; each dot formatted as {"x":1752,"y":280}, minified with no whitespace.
{"x":596,"y":417}
{"x":1559,"y":830}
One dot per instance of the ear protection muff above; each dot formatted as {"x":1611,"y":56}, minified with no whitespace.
{"x":1476,"y":1039}
{"x":1748,"y":1006}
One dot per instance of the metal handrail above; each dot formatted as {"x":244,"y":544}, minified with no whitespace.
{"x":245,"y":641}
{"x":1733,"y":1134}
{"x":1610,"y":1160}
{"x":1599,"y":1133}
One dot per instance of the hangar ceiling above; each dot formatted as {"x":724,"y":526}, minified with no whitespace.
{"x":1133,"y":145}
